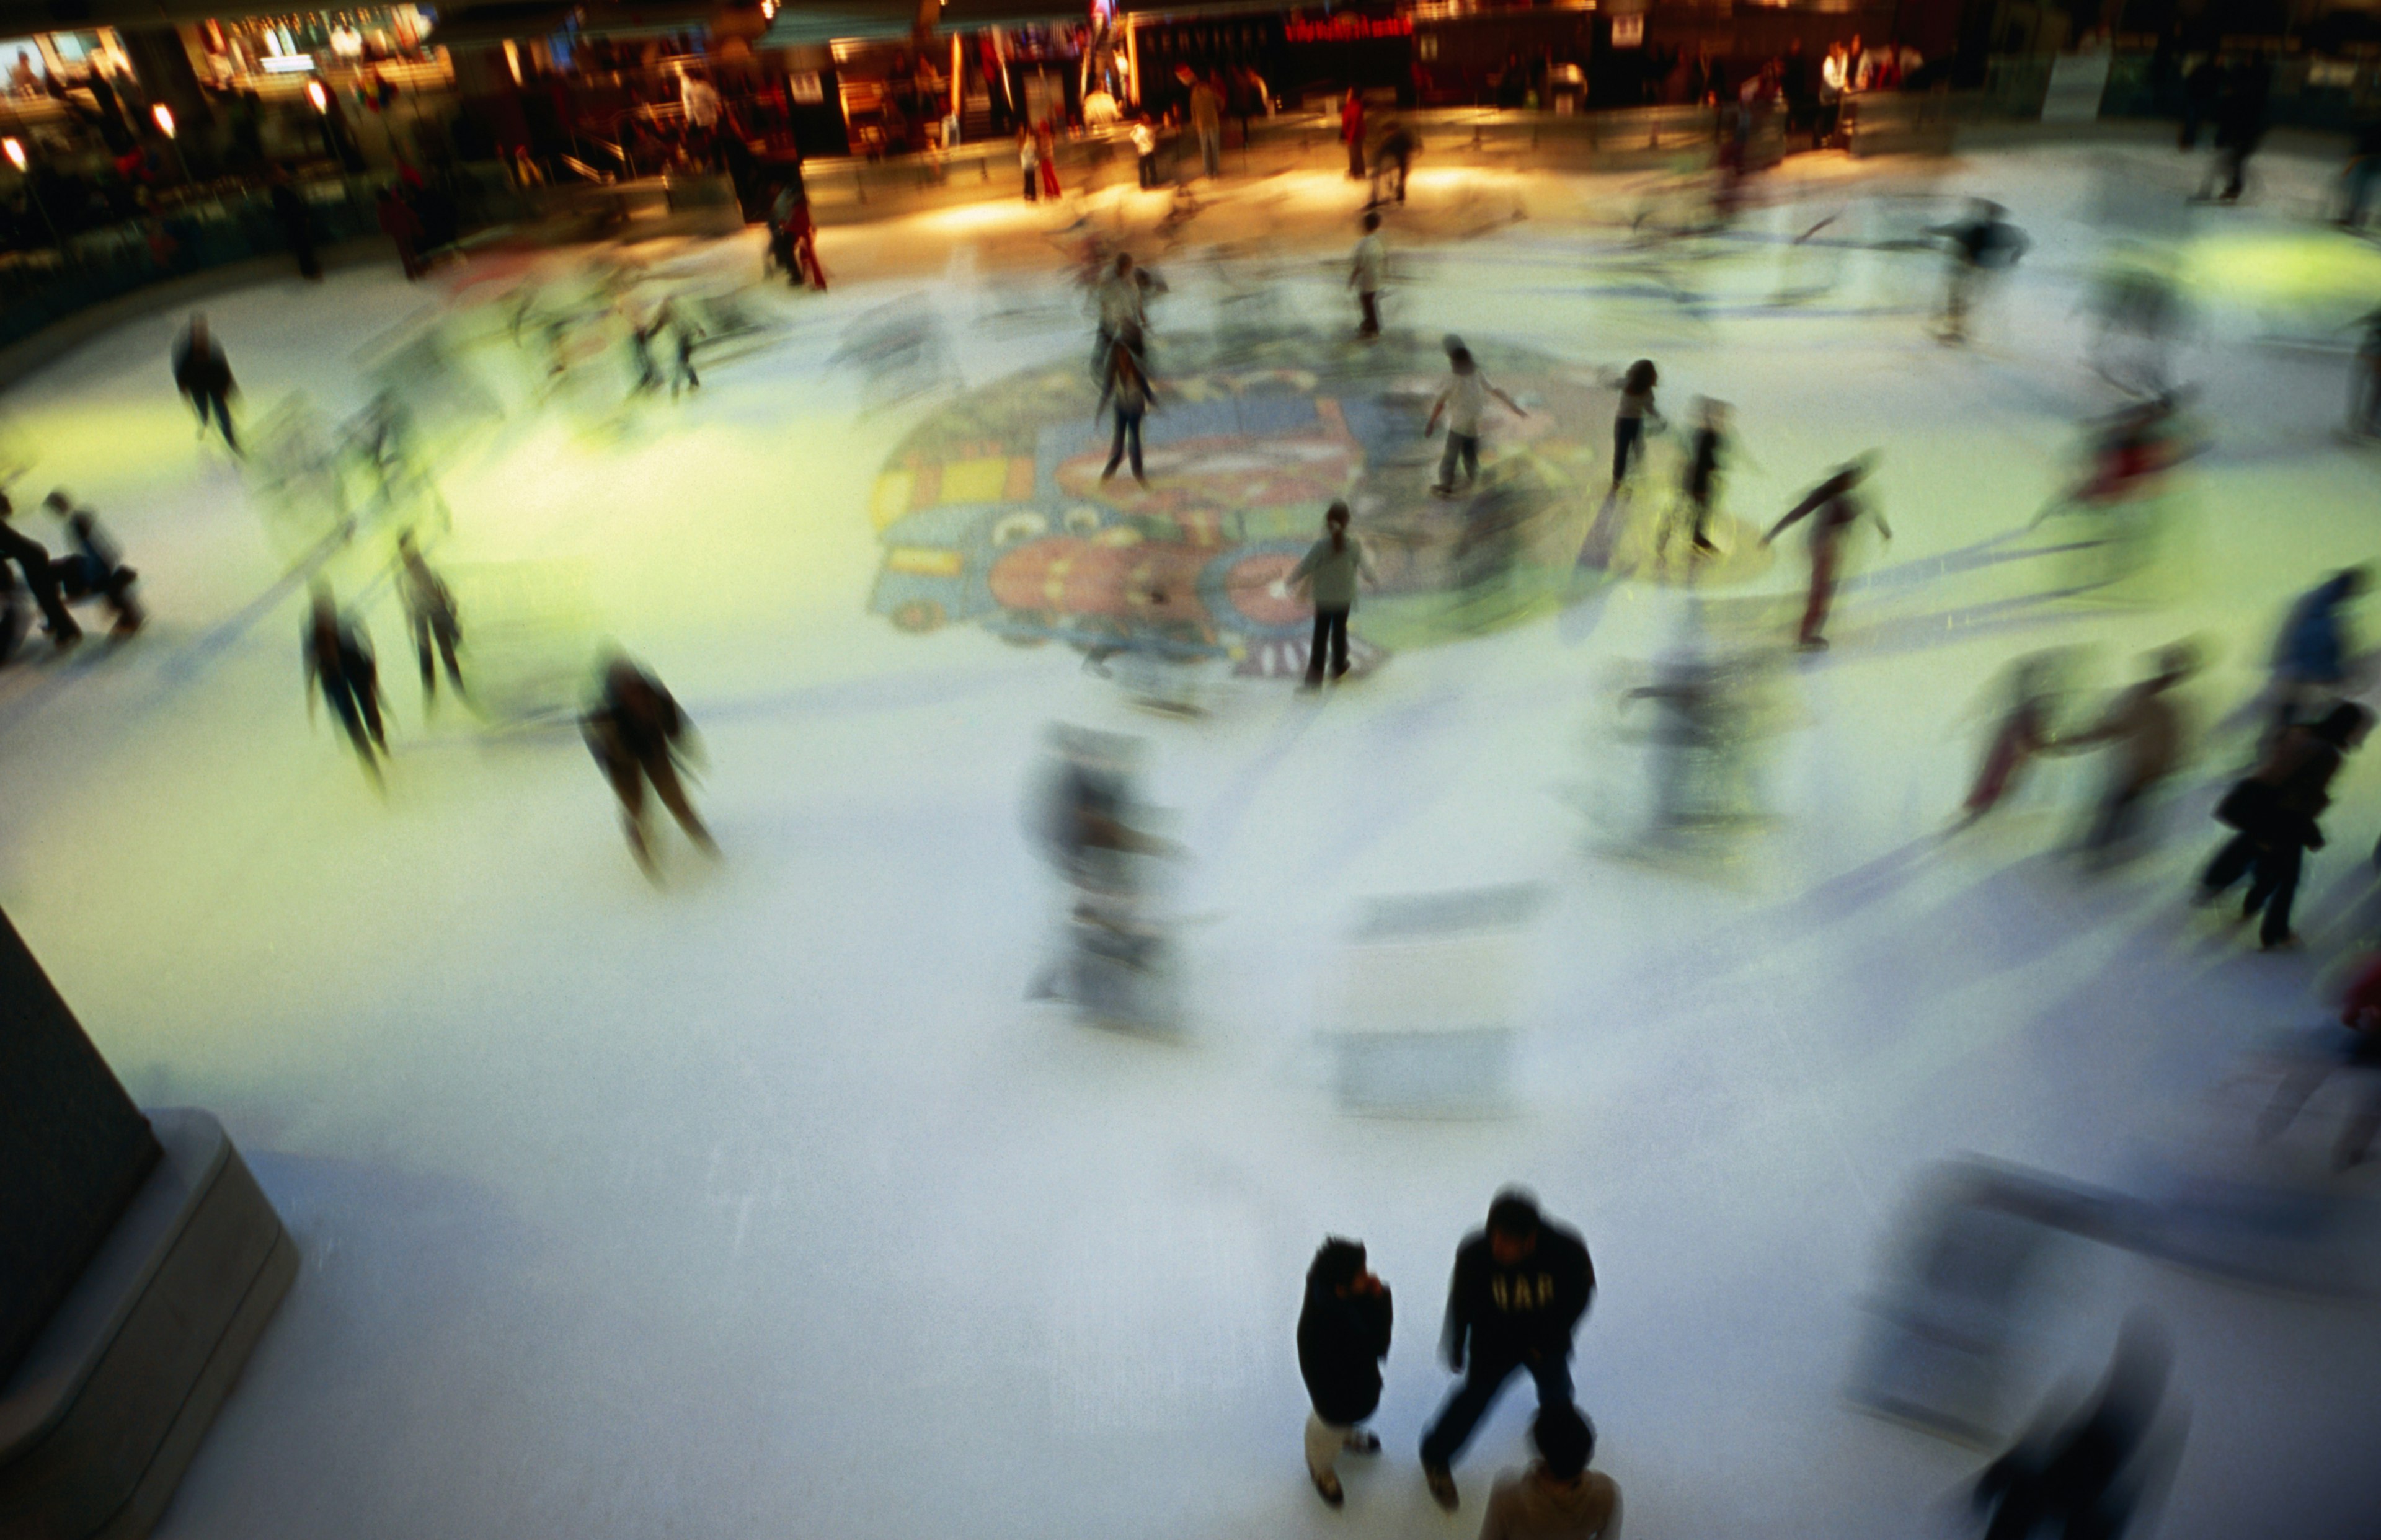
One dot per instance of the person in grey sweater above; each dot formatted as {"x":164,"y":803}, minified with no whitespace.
{"x":1558,"y":1498}
{"x":1329,"y":571}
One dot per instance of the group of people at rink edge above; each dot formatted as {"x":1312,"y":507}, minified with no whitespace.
{"x":1522,"y":1285}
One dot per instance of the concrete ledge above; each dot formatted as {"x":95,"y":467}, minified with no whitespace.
{"x":99,"y":1421}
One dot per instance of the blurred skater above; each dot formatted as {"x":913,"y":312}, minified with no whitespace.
{"x":2146,"y":734}
{"x":339,"y":662}
{"x":429,"y":615}
{"x":1028,"y":159}
{"x":1521,"y":1285}
{"x":1366,"y":270}
{"x":202,"y":374}
{"x":1463,"y":403}
{"x":1832,"y":509}
{"x":1045,"y":144}
{"x":1982,"y":243}
{"x":1121,"y":301}
{"x":1557,"y":1497}
{"x":1628,"y":423}
{"x":1330,"y":571}
{"x":2020,"y":737}
{"x":1351,"y":132}
{"x":684,"y":333}
{"x":96,"y":568}
{"x":2359,"y":1052}
{"x":1343,"y":1334}
{"x":403,"y":227}
{"x":2364,"y":381}
{"x":1392,"y":161}
{"x":2315,"y":652}
{"x":1700,"y":484}
{"x":2275,"y":811}
{"x":1128,"y":392}
{"x":32,"y":558}
{"x":2082,"y":1482}
{"x":637,"y":734}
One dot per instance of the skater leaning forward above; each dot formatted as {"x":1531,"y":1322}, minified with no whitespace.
{"x":637,"y":734}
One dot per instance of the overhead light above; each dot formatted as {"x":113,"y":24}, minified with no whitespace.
{"x":16,"y":152}
{"x":164,"y":117}
{"x":316,"y":94}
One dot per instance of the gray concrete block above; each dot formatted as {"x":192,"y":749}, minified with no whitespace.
{"x":107,"y":1407}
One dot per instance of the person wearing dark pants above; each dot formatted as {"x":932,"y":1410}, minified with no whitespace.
{"x":341,"y":662}
{"x":1462,"y":403}
{"x":96,"y":570}
{"x":1329,"y":571}
{"x":1343,"y":1334}
{"x":1628,"y":420}
{"x":32,"y":558}
{"x":430,"y":614}
{"x":201,"y":374}
{"x":1365,"y":271}
{"x":1832,"y":509}
{"x":2274,"y":813}
{"x":637,"y":734}
{"x":1129,"y":389}
{"x":1521,"y":1285}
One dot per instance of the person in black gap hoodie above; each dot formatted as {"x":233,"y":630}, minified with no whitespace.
{"x":201,"y":374}
{"x":1343,"y":1334}
{"x":1520,"y":1287}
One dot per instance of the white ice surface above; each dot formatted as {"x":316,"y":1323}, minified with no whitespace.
{"x":759,"y":1203}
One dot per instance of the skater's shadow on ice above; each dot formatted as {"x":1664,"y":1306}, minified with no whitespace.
{"x":1840,"y":897}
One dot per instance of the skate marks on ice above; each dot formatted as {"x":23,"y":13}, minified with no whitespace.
{"x":1675,"y":776}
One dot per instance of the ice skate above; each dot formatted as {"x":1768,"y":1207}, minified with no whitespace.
{"x":1329,"y":1490}
{"x":1442,"y":1486}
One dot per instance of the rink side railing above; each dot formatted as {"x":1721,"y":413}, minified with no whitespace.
{"x":39,"y":288}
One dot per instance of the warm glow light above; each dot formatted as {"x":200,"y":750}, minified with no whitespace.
{"x":316,"y":94}
{"x":164,"y":117}
{"x":16,"y":150}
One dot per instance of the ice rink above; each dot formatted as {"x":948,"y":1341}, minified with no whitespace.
{"x":758,"y":1199}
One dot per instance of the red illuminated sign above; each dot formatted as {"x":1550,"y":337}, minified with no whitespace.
{"x":1347,"y":29}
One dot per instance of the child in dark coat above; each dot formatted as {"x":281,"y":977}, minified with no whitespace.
{"x":1343,"y":1334}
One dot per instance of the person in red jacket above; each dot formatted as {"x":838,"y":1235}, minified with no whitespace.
{"x":403,"y":227}
{"x":1351,"y":133}
{"x":2360,"y":1051}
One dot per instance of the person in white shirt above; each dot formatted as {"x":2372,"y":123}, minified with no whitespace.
{"x":1144,"y":144}
{"x":1365,"y":271}
{"x":1462,"y":403}
{"x":701,"y":101}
